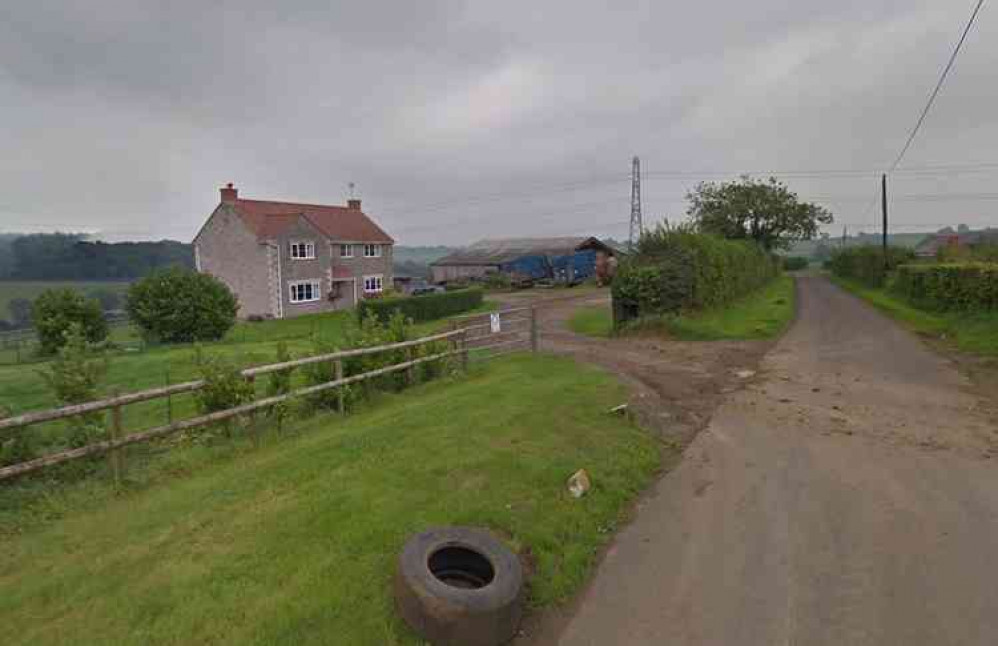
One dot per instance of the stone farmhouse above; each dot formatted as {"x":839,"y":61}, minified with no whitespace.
{"x":284,"y":259}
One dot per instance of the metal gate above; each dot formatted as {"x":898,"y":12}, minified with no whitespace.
{"x":493,"y":334}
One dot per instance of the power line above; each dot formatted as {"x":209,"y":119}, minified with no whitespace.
{"x":939,"y":85}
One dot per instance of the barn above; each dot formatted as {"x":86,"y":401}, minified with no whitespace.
{"x":566,"y":259}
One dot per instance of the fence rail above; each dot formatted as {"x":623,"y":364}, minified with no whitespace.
{"x":464,"y":344}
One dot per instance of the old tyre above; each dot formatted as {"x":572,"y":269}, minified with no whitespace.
{"x":459,"y":586}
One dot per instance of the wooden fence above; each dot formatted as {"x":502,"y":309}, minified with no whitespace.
{"x":466,"y":341}
{"x":494,"y":334}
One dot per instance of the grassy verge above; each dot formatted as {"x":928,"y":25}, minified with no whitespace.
{"x":763,"y":314}
{"x":594,"y":320}
{"x":294,"y":542}
{"x":972,"y":332}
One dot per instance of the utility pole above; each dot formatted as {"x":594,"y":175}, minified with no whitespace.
{"x":883,"y":204}
{"x":845,"y":232}
{"x":637,"y":228}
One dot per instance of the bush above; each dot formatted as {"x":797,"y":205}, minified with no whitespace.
{"x":427,"y":307}
{"x":14,"y":444}
{"x":677,"y":270}
{"x":866,"y":264}
{"x":178,"y":305}
{"x":56,"y":310}
{"x":795,"y":263}
{"x":951,"y":286}
{"x":224,"y":387}
{"x":74,"y":377}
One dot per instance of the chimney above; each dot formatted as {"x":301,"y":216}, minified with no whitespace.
{"x":229,"y":193}
{"x":353,"y":204}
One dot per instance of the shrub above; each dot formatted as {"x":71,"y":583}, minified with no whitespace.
{"x":866,"y":264}
{"x":14,"y":444}
{"x":179,"y":305}
{"x":279,"y":383}
{"x":74,"y":377}
{"x":224,"y":387}
{"x":949,"y":286}
{"x":795,"y":263}
{"x":421,"y":308}
{"x":56,"y":310}
{"x":676,"y":270}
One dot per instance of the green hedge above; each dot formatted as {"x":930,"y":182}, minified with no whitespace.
{"x":949,"y":286}
{"x":866,"y":264}
{"x":795,"y":263}
{"x":426,"y":307}
{"x":676,"y":271}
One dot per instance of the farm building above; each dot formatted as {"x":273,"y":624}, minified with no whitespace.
{"x":560,"y":259}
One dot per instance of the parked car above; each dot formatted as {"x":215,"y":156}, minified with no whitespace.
{"x":423,"y":287}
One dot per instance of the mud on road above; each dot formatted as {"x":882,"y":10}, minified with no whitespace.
{"x":845,"y":494}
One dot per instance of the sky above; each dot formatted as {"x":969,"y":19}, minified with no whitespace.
{"x":458,"y":121}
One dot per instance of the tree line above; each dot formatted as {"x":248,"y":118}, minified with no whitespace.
{"x":69,"y":256}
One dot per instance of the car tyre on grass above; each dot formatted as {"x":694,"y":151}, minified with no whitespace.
{"x":459,"y":586}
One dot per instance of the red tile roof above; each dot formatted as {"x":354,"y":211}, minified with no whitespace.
{"x":267,"y":219}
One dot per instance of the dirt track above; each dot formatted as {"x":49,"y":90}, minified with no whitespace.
{"x":846,"y":495}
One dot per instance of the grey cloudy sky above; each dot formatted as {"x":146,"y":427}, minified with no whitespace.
{"x":460,"y":120}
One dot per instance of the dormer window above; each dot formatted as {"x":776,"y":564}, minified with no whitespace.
{"x":303,"y":250}
{"x":372,"y":251}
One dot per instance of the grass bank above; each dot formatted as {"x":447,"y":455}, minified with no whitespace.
{"x":763,"y":314}
{"x":294,"y":542}
{"x":971,"y":332}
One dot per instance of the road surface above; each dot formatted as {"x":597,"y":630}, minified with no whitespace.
{"x":847,"y":496}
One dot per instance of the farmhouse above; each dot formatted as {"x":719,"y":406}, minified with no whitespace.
{"x":283,"y":259}
{"x":566,"y":259}
{"x":932,"y":244}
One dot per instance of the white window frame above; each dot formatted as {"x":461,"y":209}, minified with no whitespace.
{"x":378,"y":287}
{"x":293,"y":292}
{"x":309,"y":250}
{"x":348,"y":248}
{"x":375,"y":250}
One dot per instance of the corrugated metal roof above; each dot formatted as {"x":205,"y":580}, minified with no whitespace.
{"x":499,"y":251}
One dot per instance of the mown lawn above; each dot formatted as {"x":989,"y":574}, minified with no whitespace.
{"x":973,"y":332}
{"x":764,"y":314}
{"x":294,"y":541}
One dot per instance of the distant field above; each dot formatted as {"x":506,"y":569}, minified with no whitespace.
{"x":30,"y":289}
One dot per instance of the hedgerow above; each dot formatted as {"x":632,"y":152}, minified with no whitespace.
{"x":949,"y":286}
{"x":795,"y":263}
{"x":866,"y":264}
{"x":426,"y":307}
{"x":676,"y":270}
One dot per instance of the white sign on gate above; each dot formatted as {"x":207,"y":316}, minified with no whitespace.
{"x":496,"y":323}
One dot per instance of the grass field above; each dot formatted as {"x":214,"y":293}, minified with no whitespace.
{"x":30,"y":289}
{"x":972,"y":332}
{"x":761,"y":315}
{"x":294,"y":542}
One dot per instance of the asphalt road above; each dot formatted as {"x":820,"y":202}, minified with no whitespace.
{"x":848,"y":495}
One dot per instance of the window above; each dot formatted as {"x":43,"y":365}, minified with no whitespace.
{"x":372,"y":284}
{"x":346,"y":251}
{"x":372,"y":251}
{"x":304,"y":291}
{"x":303,"y":250}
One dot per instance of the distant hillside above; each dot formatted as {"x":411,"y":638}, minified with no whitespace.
{"x":415,"y":261}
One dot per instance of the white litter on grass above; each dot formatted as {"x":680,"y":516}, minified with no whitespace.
{"x":619,"y":410}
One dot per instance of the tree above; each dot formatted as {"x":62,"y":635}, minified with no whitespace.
{"x":764,"y":211}
{"x":55,"y":310}
{"x":20,"y":312}
{"x":177,"y":305}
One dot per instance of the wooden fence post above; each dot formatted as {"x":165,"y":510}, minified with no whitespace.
{"x":464,"y":350}
{"x":169,"y":400}
{"x":340,"y":395}
{"x":410,"y":372}
{"x":115,"y":456}
{"x":533,"y":329}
